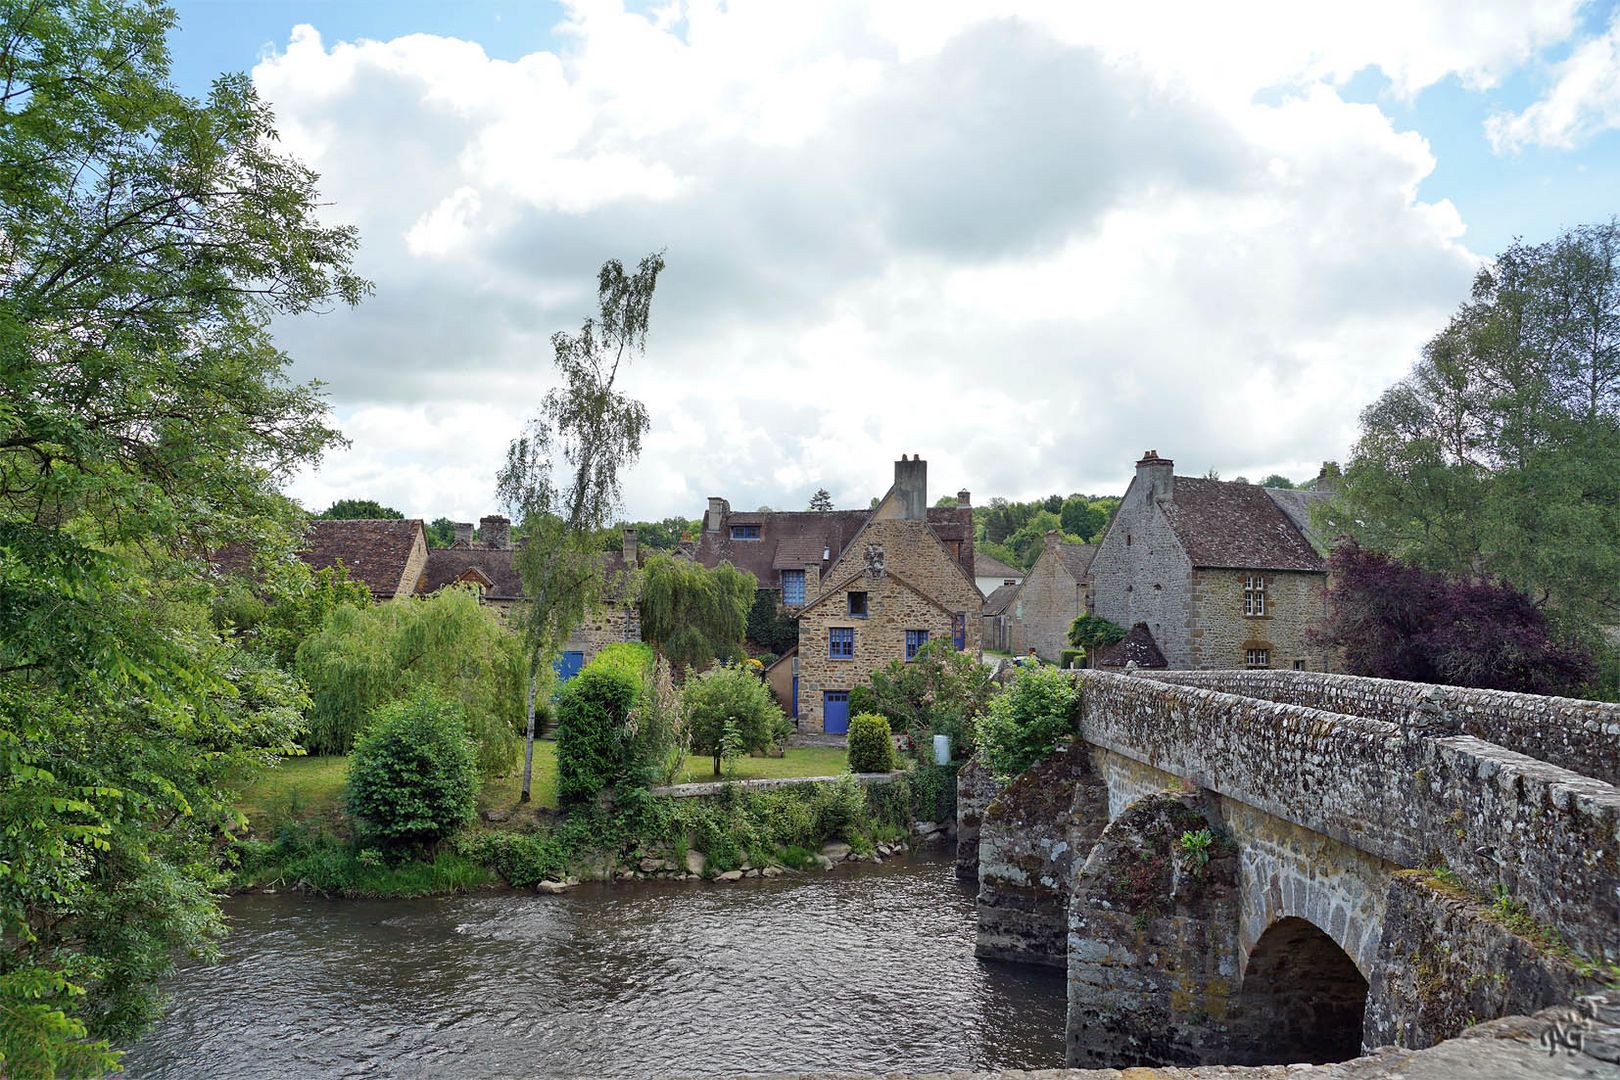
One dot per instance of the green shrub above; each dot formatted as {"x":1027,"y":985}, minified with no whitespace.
{"x":863,"y":699}
{"x":593,"y":713}
{"x":729,"y":708}
{"x":1027,"y":720}
{"x":413,"y":775}
{"x":1071,"y":658}
{"x":870,"y":747}
{"x":841,"y":809}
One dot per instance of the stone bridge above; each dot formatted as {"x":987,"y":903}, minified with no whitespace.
{"x":1255,"y":867}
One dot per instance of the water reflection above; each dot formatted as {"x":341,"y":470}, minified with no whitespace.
{"x":867,"y":969}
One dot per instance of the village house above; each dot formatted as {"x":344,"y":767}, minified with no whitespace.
{"x":1219,"y":574}
{"x":995,"y":618}
{"x":990,"y":573}
{"x":1045,"y":605}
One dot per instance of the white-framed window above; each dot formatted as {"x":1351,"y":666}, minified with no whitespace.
{"x":1254,"y":594}
{"x":1257,"y":658}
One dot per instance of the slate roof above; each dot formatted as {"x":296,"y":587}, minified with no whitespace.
{"x":990,"y":566}
{"x":1227,"y":525}
{"x":1076,"y":559}
{"x":374,"y":552}
{"x":998,"y":601}
{"x":790,"y":539}
{"x":1297,"y":505}
{"x":1137,"y":645}
{"x":446,"y":565}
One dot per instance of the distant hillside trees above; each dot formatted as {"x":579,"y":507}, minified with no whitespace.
{"x":352,"y":509}
{"x":1015,"y":532}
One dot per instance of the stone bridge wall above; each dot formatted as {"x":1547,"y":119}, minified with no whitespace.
{"x":1549,"y":836}
{"x":1581,"y":736}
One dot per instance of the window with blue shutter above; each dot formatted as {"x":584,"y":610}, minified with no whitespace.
{"x":915,"y":639}
{"x":841,"y":642}
{"x":793,"y":586}
{"x":959,"y":630}
{"x":745,"y":532}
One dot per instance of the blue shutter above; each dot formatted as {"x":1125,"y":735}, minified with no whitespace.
{"x":915,"y":639}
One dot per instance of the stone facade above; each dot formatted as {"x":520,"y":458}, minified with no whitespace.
{"x":1055,"y":591}
{"x":1221,"y":573}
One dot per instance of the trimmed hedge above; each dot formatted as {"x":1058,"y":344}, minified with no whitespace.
{"x":870,"y":748}
{"x":592,"y":753}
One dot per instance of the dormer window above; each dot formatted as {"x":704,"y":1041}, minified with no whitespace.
{"x":745,"y":532}
{"x":1254,"y":594}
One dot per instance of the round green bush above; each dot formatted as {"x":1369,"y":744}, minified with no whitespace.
{"x":870,"y":748}
{"x":413,"y":775}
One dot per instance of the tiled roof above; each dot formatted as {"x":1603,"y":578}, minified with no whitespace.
{"x":1297,"y":505}
{"x":1076,"y":559}
{"x":374,"y":552}
{"x":997,"y":601}
{"x":1137,"y":645}
{"x":797,"y":552}
{"x":990,"y":566}
{"x":789,"y":539}
{"x":1224,"y":524}
{"x":446,"y":566}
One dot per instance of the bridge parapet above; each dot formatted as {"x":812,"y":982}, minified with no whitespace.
{"x":1582,"y":736}
{"x":1548,"y":836}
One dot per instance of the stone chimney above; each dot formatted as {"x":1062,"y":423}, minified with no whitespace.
{"x":1052,"y":537}
{"x":911,"y":487}
{"x":718,"y":509}
{"x":964,"y":498}
{"x":1158,"y":476}
{"x":464,"y":531}
{"x":496,"y":532}
{"x":632,"y":545}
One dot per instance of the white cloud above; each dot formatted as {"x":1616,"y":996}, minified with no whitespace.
{"x":1026,"y":247}
{"x":1583,"y":101}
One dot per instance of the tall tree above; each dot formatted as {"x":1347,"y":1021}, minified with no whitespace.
{"x":359,"y":509}
{"x":693,"y":614}
{"x":821,"y":500}
{"x":148,"y":239}
{"x":561,"y":477}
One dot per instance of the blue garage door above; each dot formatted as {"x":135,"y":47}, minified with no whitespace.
{"x":568,"y":665}
{"x":835,"y":712}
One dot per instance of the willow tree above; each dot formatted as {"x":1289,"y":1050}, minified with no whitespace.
{"x":561,"y":477}
{"x":693,"y":614}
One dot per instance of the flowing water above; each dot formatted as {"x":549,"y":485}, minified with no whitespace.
{"x":868,"y":968}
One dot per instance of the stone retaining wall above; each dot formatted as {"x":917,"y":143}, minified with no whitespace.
{"x":1549,"y":836}
{"x":1582,"y":736}
{"x":698,"y":791}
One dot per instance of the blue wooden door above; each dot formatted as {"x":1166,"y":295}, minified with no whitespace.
{"x":795,"y":697}
{"x":568,"y":665}
{"x":835,"y":712}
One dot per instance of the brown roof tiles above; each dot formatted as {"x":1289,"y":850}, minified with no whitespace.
{"x":1227,"y":525}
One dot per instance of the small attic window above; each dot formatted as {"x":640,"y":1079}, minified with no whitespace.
{"x":745,"y":532}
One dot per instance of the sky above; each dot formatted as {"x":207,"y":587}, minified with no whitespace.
{"x":1026,"y":240}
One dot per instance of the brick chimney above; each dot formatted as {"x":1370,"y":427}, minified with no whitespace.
{"x":911,"y":486}
{"x":464,"y":531}
{"x":1158,"y":476}
{"x":718,"y":509}
{"x":496,"y":532}
{"x":632,"y":545}
{"x":964,"y":498}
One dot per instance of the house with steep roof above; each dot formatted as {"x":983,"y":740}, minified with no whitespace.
{"x":1056,"y":590}
{"x":1219,"y":574}
{"x":996,"y":620}
{"x":866,"y":587}
{"x":387,"y":554}
{"x":990,"y":573}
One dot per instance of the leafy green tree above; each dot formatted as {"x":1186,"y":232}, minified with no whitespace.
{"x":145,"y":415}
{"x":1499,"y":455}
{"x":1082,"y":518}
{"x":359,"y":509}
{"x":288,"y":604}
{"x":447,"y":643}
{"x":729,"y":708}
{"x":694,"y":615}
{"x":1027,"y":720}
{"x":595,"y":713}
{"x":441,"y":532}
{"x":413,"y":776}
{"x":769,"y":625}
{"x":596,"y":432}
{"x":937,"y":692}
{"x":821,"y":501}
{"x":1278,"y":480}
{"x":1091,"y":632}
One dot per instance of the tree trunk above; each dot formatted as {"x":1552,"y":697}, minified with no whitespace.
{"x":528,"y":741}
{"x":717,"y":763}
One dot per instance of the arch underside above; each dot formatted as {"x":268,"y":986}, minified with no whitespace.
{"x":1302,"y":997}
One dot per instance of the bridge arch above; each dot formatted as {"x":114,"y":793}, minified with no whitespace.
{"x":1303,"y":996}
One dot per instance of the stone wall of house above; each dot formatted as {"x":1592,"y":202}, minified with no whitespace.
{"x":976,"y":788}
{"x":1582,"y":736}
{"x":1222,"y":635}
{"x":1029,"y":838}
{"x":911,"y":552}
{"x":1141,"y":574}
{"x":1046,"y":604}
{"x":415,"y":565}
{"x":1446,"y":961}
{"x":607,"y":625}
{"x":1403,"y":793}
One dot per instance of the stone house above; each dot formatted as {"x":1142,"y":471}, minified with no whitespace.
{"x":990,"y":573}
{"x":388,"y":555}
{"x":1220,"y":574}
{"x":1056,"y":590}
{"x":897,"y":585}
{"x":995,"y":618}
{"x":489,"y":565}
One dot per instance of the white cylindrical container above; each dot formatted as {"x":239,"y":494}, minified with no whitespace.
{"x":942,"y":749}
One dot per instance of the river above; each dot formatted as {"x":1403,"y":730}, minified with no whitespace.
{"x":866,"y":968}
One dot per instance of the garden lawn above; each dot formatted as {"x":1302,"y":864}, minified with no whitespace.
{"x":311,"y":788}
